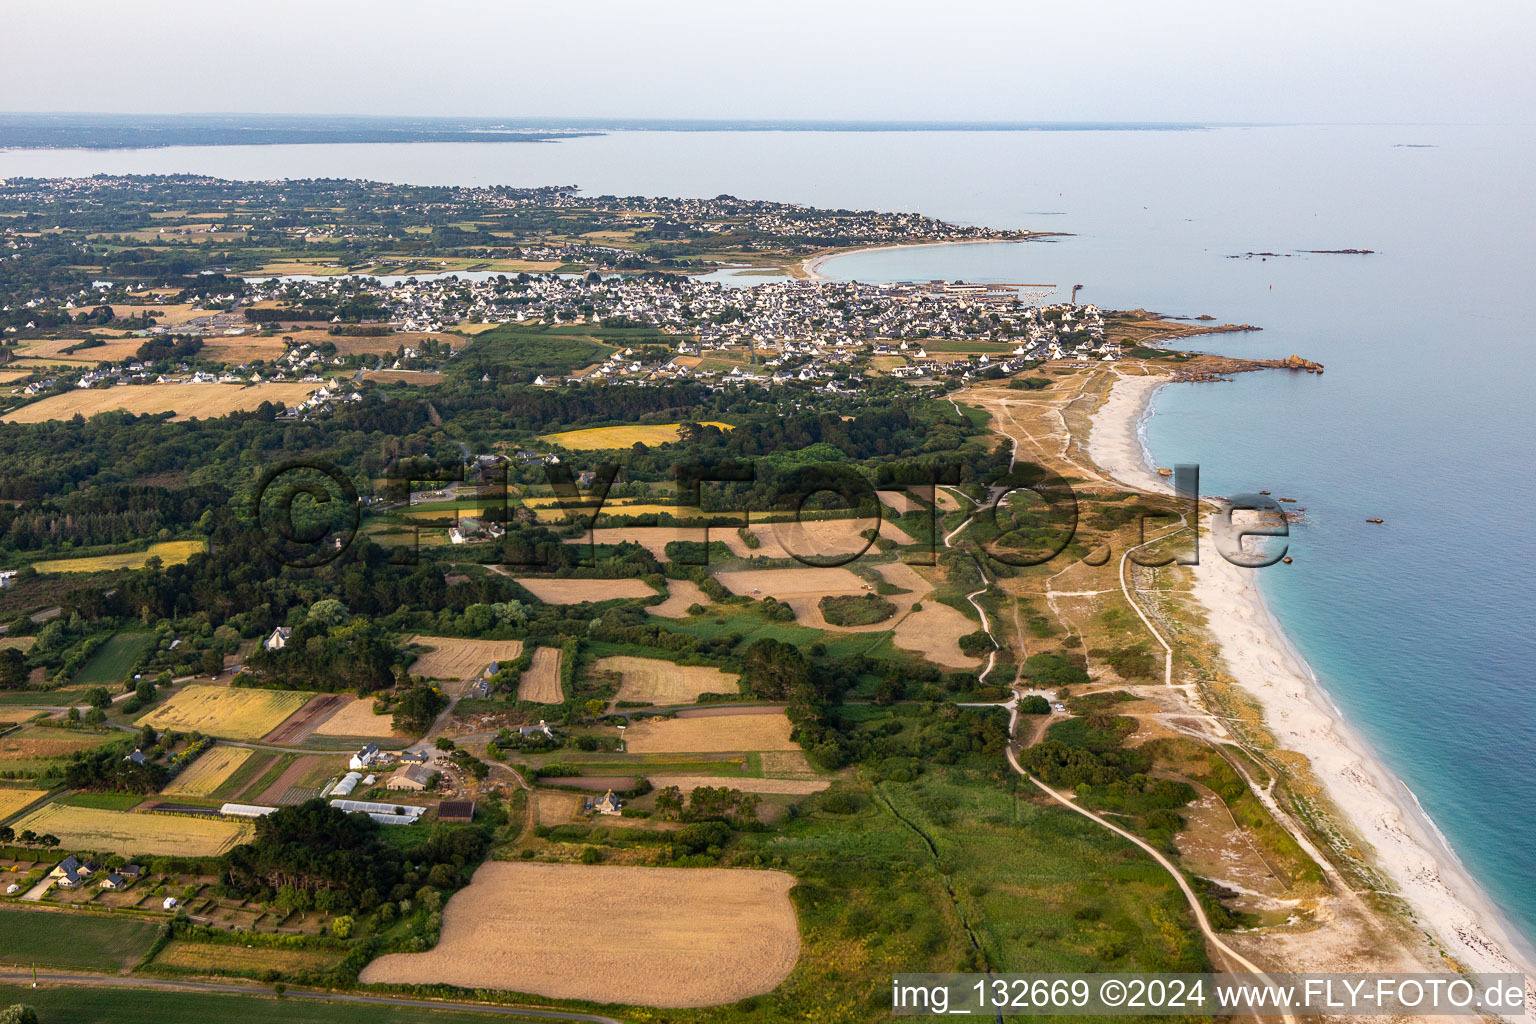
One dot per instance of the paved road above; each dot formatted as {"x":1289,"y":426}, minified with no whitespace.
{"x":116,"y":981}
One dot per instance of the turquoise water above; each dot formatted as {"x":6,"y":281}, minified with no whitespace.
{"x":1419,"y":629}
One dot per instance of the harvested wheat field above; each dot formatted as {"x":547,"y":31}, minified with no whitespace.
{"x":801,"y":589}
{"x":170,"y":552}
{"x":790,"y":787}
{"x":202,"y":401}
{"x":226,"y":712}
{"x":935,"y":632}
{"x":451,"y":657}
{"x":557,"y":591}
{"x":37,"y":741}
{"x":356,"y":718}
{"x":663,"y":682}
{"x":21,"y":643}
{"x":653,"y":538}
{"x":681,"y":595}
{"x":823,"y":540}
{"x":712,"y":734}
{"x":671,"y":937}
{"x":225,"y":957}
{"x":554,"y":808}
{"x":300,"y":725}
{"x":13,"y":800}
{"x":541,"y":682}
{"x":614,"y":438}
{"x":423,"y":377}
{"x":241,"y":349}
{"x":169,"y":835}
{"x":208,"y":772}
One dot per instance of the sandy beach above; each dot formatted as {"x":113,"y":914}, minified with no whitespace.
{"x":1381,"y":811}
{"x":812,"y":266}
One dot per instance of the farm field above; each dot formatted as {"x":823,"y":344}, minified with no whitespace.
{"x":823,"y":539}
{"x":226,"y":712}
{"x":793,"y":787}
{"x":801,"y":589}
{"x":223,"y":958}
{"x":295,"y":784}
{"x":422,"y":377}
{"x":208,"y":772}
{"x":713,"y":734}
{"x":32,"y":742}
{"x":241,"y":349}
{"x":13,"y":800}
{"x":612,"y":438}
{"x":113,"y":660}
{"x":21,"y":643}
{"x":541,"y":683}
{"x":455,"y":658}
{"x":185,"y":400}
{"x":681,"y":595}
{"x":664,"y":682}
{"x":709,"y":935}
{"x":356,"y":718}
{"x":564,"y":591}
{"x":300,"y":725}
{"x":73,"y":941}
{"x":87,"y":828}
{"x":171,"y":552}
{"x":77,"y":1004}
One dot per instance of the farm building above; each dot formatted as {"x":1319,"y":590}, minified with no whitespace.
{"x":606,"y":804}
{"x":278,"y":639}
{"x":364,"y":757}
{"x":347,"y":784}
{"x":456,"y":811}
{"x":542,"y":729}
{"x":414,"y":777}
{"x":113,"y":881}
{"x":246,"y":810}
{"x":384,"y":814}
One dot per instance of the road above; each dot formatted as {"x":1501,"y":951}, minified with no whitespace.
{"x":116,"y":981}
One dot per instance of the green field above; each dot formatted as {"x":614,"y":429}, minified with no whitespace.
{"x":102,"y":801}
{"x":113,"y":660}
{"x":73,"y":941}
{"x":530,"y":350}
{"x":86,"y":1005}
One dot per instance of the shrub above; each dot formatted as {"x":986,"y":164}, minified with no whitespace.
{"x":856,"y":610}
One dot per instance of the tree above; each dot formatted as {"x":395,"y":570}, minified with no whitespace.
{"x":13,"y":669}
{"x":211,"y":662}
{"x":1034,"y":704}
{"x":342,"y":926}
{"x":7,"y":834}
{"x":18,"y":1013}
{"x":98,"y":697}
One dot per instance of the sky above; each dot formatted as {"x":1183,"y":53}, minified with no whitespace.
{"x":964,"y":60}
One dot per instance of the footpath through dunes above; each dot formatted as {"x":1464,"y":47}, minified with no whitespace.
{"x":540,"y":683}
{"x":665,"y":937}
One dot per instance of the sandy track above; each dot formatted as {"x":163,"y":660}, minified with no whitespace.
{"x":541,"y":683}
{"x":670,"y":937}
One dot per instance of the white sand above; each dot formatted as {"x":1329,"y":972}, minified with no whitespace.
{"x":812,"y":266}
{"x":1406,"y":846}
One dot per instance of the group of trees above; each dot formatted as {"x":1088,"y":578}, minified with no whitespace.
{"x":314,"y":853}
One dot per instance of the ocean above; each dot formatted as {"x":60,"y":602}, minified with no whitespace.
{"x":1420,"y":628}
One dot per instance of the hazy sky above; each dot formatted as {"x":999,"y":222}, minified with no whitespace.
{"x":1151,"y":60}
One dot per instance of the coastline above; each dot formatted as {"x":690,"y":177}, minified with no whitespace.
{"x":811,"y":266}
{"x":1404,"y":843}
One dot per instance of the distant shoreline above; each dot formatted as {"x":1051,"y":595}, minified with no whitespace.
{"x":1405,"y":843}
{"x":810,"y":267}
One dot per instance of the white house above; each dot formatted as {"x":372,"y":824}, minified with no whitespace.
{"x":364,"y":757}
{"x":278,"y":639}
